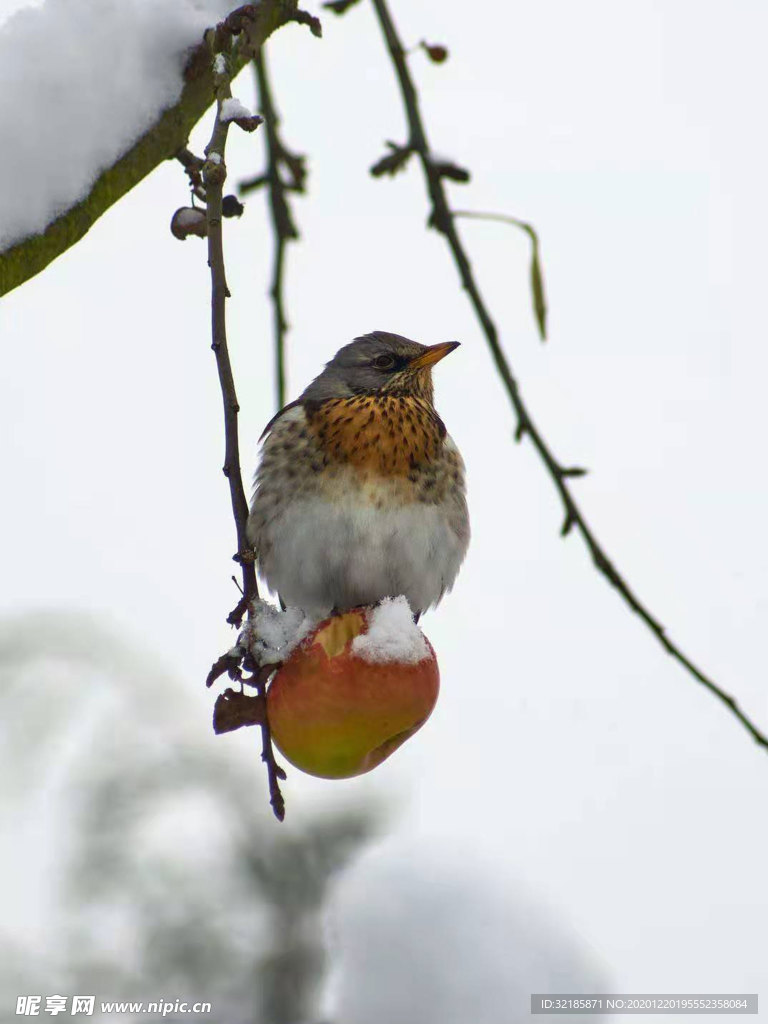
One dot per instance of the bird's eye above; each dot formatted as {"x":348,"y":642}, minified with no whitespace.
{"x":384,"y":362}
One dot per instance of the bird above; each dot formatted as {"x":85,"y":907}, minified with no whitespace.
{"x":359,"y":493}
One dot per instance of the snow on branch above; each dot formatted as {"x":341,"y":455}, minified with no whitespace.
{"x":85,"y":127}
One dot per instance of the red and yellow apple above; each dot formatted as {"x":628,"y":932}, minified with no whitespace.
{"x":335,"y":714}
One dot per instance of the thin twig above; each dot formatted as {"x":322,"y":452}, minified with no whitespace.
{"x":279,"y":161}
{"x":214,"y":174}
{"x":274,"y":771}
{"x":442,"y":218}
{"x":193,"y":165}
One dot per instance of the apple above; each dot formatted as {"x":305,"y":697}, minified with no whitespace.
{"x":353,"y":691}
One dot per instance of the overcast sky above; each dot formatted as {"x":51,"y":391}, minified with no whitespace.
{"x":568,"y":755}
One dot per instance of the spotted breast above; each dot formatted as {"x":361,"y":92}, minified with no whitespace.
{"x":357,"y":500}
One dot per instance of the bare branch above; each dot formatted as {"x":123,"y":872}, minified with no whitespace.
{"x":274,"y":771}
{"x":280,"y":161}
{"x":442,"y":218}
{"x":214,"y":174}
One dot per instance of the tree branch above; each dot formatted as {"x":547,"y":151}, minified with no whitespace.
{"x":442,"y":219}
{"x":162,"y":140}
{"x":214,"y":173}
{"x":280,"y":162}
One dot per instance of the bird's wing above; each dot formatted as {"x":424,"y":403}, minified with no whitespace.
{"x":291,"y":405}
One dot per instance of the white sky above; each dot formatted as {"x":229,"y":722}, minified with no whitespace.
{"x":568,"y":754}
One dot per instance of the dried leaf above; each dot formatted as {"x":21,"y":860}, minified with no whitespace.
{"x":537,"y":275}
{"x":189,"y":220}
{"x":233,"y":710}
{"x":537,"y":288}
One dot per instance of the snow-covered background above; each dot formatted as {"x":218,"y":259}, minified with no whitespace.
{"x":569,"y":764}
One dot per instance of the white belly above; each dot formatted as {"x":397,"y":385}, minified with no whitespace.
{"x":320,"y":555}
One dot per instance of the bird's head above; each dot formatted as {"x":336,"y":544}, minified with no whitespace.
{"x":380,"y":363}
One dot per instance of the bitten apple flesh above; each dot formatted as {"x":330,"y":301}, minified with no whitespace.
{"x":336,"y":714}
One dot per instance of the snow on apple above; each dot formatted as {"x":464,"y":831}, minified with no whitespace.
{"x":392,"y":635}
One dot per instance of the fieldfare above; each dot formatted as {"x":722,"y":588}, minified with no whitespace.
{"x":360,"y":494}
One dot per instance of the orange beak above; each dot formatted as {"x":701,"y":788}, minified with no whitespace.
{"x":433,"y":354}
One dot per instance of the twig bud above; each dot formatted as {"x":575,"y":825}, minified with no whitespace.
{"x":231,"y":206}
{"x":447,"y":168}
{"x":214,"y":169}
{"x":436,"y":52}
{"x":392,"y":162}
{"x":232,"y":109}
{"x":339,"y":6}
